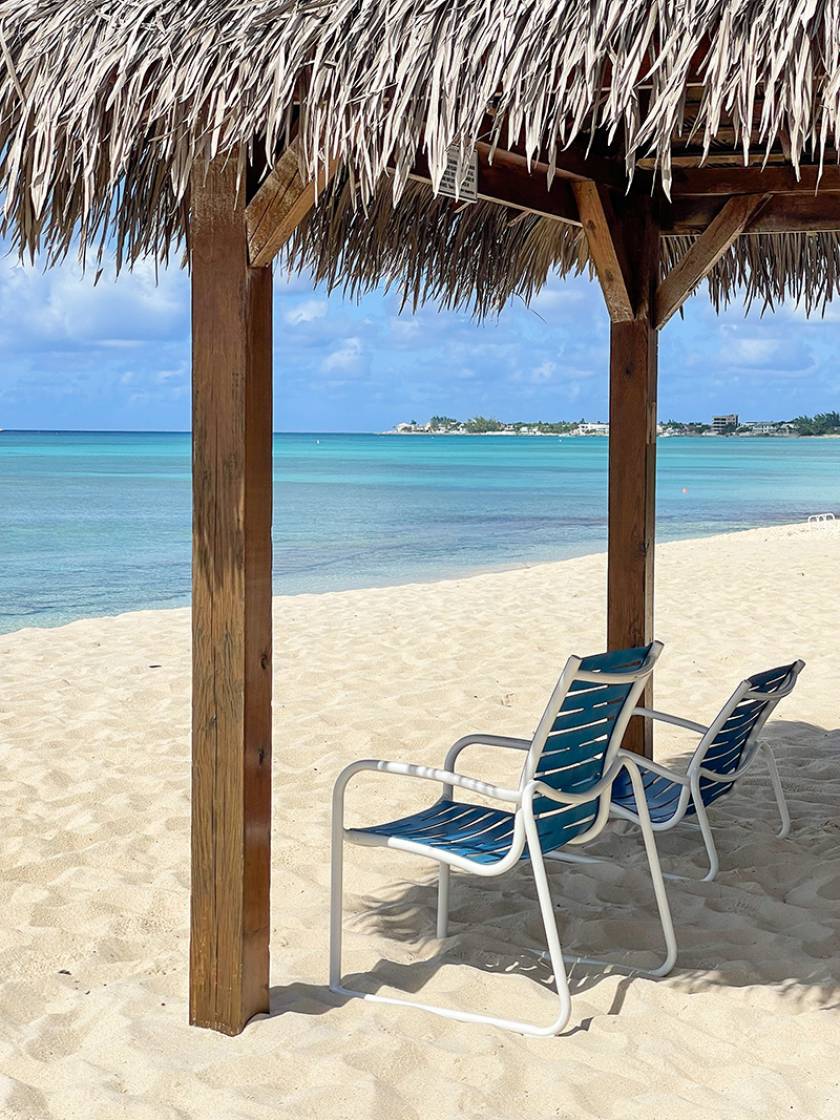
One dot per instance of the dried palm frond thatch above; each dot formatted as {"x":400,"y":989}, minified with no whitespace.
{"x":107,"y":105}
{"x":475,"y":256}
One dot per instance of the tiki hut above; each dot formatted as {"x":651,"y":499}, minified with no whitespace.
{"x":457,"y":151}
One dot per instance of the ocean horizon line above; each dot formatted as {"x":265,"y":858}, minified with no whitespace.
{"x":379,"y":432}
{"x":168,"y":432}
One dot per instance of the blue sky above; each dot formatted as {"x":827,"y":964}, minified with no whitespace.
{"x":116,"y":356}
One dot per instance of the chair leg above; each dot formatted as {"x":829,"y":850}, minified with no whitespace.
{"x":777,"y":790}
{"x":555,"y":953}
{"x":443,"y":901}
{"x":660,"y":893}
{"x":708,"y":838}
{"x":336,"y":903}
{"x":665,"y":919}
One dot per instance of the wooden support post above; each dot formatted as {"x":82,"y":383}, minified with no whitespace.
{"x":632,"y":455}
{"x":231,"y":767}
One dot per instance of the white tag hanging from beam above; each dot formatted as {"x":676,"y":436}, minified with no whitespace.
{"x":467,"y":189}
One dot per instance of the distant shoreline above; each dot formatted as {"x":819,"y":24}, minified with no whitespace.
{"x":575,"y":435}
{"x":437,"y":435}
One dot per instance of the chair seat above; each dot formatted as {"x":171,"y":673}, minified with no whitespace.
{"x":662,"y":795}
{"x":475,"y":831}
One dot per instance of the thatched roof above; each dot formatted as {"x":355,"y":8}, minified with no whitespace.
{"x":106,"y":105}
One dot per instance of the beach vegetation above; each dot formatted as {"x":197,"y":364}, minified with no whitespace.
{"x":692,"y":428}
{"x":823,"y":424}
{"x":479,"y":425}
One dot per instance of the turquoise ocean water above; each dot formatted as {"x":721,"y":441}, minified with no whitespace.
{"x":98,"y":523}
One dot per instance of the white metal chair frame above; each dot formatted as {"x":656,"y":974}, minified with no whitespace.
{"x":525,"y":832}
{"x":691,"y":793}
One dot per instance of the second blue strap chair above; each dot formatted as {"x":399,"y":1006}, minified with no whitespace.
{"x":562,"y":800}
{"x":727,"y":749}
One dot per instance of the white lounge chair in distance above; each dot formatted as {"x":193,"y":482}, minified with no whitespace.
{"x":727,"y":749}
{"x":562,"y":799}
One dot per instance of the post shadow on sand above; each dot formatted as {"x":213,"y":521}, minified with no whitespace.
{"x":789,"y":888}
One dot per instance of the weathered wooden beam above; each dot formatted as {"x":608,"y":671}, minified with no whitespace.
{"x":508,"y":182}
{"x":704,"y":254}
{"x":577,"y":164}
{"x":783,"y":213}
{"x":606,"y":247}
{"x":576,"y":161}
{"x":231,"y":610}
{"x":632,"y":456}
{"x":692,"y":159}
{"x":279,"y":206}
{"x":754,"y":180}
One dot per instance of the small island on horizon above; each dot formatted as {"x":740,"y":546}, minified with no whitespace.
{"x":822,"y":424}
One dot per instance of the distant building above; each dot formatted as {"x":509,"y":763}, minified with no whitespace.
{"x":723,"y":424}
{"x":589,"y":429}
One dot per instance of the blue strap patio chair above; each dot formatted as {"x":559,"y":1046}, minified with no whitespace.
{"x":726,"y":750}
{"x":562,"y":799}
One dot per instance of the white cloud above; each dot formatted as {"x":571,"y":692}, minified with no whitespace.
{"x":344,"y":357}
{"x":553,"y":299}
{"x":405,"y":329}
{"x":753,"y":351}
{"x":72,"y":354}
{"x":767,"y":352}
{"x":307,"y":311}
{"x":543,"y":372}
{"x":291,"y":283}
{"x":535,"y":375}
{"x":39,"y":310}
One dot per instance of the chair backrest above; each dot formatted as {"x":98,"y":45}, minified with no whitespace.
{"x":580,"y":731}
{"x":732,"y":739}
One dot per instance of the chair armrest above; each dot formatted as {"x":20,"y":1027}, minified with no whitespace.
{"x":447,"y":778}
{"x":677,"y":721}
{"x":484,"y":741}
{"x":732,"y":775}
{"x":654,"y":767}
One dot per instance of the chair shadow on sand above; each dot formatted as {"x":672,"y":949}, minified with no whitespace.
{"x":786,"y":889}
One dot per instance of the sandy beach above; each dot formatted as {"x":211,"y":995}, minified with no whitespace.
{"x":94,"y":863}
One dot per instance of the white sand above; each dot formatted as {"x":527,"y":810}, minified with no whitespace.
{"x":94,"y":861}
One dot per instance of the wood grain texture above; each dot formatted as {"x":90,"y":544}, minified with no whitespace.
{"x":606,"y":247}
{"x":704,"y":254}
{"x":754,"y":180}
{"x":279,"y":206}
{"x":632,"y":458}
{"x":575,"y":162}
{"x":782,"y":213}
{"x":231,"y":767}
